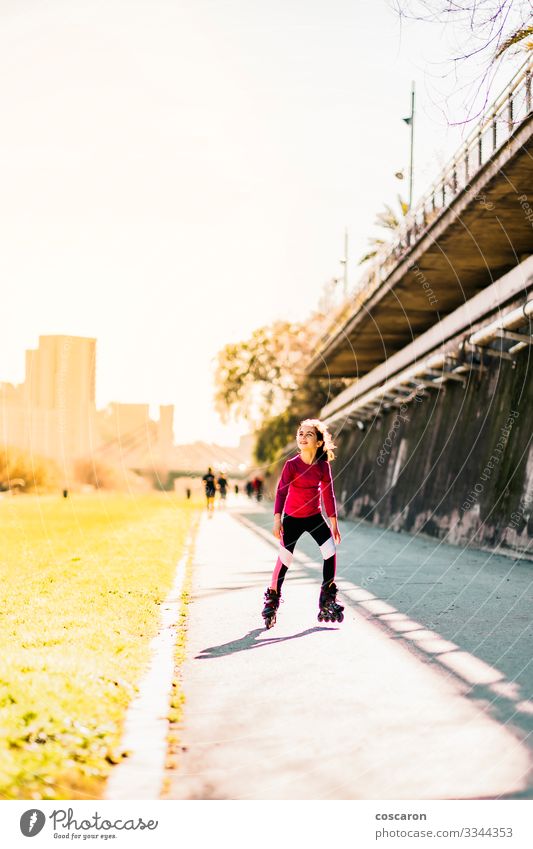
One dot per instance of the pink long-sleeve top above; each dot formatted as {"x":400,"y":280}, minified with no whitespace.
{"x":300,"y":487}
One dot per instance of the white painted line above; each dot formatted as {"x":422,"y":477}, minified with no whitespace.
{"x":357,"y":594}
{"x":433,"y":646}
{"x":424,"y":634}
{"x":402,"y":625}
{"x":508,"y":689}
{"x":377,"y":606}
{"x":140,"y":776}
{"x":471,"y":668}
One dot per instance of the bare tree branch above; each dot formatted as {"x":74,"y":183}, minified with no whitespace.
{"x":484,"y":33}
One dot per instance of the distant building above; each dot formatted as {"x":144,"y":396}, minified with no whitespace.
{"x":52,"y":412}
{"x":128,"y":434}
{"x":61,"y":373}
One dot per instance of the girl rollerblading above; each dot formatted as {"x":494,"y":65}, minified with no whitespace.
{"x":270,"y":609}
{"x":304,"y":480}
{"x":328,"y":609}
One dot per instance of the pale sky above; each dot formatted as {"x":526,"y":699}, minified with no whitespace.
{"x":175,"y":174}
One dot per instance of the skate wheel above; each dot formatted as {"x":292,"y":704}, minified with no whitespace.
{"x":320,"y":617}
{"x":340,"y":617}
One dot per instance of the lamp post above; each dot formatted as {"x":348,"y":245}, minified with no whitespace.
{"x":410,"y":121}
{"x":344,"y":263}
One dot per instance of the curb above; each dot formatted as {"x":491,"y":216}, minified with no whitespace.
{"x":141,"y":774}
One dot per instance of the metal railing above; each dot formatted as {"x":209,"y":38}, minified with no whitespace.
{"x":499,"y":122}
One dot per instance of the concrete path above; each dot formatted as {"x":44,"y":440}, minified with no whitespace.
{"x":319,"y":711}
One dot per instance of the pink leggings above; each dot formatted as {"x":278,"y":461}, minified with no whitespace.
{"x":293,"y":528}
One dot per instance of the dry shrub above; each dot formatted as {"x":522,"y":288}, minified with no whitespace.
{"x":89,"y":471}
{"x":25,"y":471}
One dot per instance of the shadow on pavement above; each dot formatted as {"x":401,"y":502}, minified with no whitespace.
{"x":249,"y":641}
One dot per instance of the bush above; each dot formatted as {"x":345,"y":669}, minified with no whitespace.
{"x":26,"y":472}
{"x":89,"y":471}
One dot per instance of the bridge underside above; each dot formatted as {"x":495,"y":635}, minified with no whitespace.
{"x":484,"y":233}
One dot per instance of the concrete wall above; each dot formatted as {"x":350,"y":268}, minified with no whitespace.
{"x":456,"y":464}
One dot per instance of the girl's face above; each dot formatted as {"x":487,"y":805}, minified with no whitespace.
{"x":307,"y":438}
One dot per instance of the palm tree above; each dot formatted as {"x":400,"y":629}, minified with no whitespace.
{"x":516,"y":38}
{"x":390,"y":220}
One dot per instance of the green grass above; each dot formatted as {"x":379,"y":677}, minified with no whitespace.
{"x":82,"y":581}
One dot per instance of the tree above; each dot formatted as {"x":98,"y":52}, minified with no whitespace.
{"x":390,"y":220}
{"x":483,"y":33}
{"x":306,"y":401}
{"x":262,"y":379}
{"x":252,"y":376}
{"x":25,"y":471}
{"x":494,"y":26}
{"x":517,"y":38}
{"x":257,"y":377}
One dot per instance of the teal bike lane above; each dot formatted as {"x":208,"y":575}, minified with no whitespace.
{"x":480,"y":602}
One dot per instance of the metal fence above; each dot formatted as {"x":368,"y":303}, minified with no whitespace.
{"x":499,"y":122}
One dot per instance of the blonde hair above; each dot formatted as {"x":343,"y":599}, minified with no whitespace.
{"x":326,"y":451}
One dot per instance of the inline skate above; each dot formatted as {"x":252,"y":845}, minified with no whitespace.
{"x":328,"y":609}
{"x":272,"y":599}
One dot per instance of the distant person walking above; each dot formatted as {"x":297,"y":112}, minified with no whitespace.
{"x":210,"y":489}
{"x":222,"y":486}
{"x":304,"y":480}
{"x":249,"y":489}
{"x":258,"y":487}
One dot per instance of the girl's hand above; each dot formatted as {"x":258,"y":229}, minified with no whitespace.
{"x":276,"y":530}
{"x":335,"y":530}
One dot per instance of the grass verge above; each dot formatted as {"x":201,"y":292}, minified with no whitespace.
{"x":82,"y":581}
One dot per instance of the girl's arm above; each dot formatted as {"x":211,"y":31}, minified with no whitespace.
{"x":328,"y":495}
{"x":281,"y":497}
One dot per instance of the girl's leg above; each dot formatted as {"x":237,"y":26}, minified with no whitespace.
{"x":292,"y":529}
{"x":321,"y":533}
